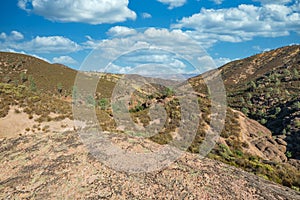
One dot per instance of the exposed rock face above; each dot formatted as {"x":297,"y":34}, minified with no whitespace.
{"x":57,"y":165}
{"x":260,"y":141}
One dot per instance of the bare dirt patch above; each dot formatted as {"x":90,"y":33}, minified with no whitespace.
{"x":15,"y":124}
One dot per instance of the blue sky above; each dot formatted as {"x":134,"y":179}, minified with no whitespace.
{"x":66,"y":31}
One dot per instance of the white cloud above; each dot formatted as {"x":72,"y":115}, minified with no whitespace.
{"x":222,"y":61}
{"x":3,"y":36}
{"x":218,"y":2}
{"x":119,"y":69}
{"x":91,"y":12}
{"x":146,"y":15}
{"x":64,"y":60}
{"x":14,"y":36}
{"x":173,"y":3}
{"x":149,"y":46}
{"x":242,"y":23}
{"x":273,"y":1}
{"x":120,"y":31}
{"x":51,"y":44}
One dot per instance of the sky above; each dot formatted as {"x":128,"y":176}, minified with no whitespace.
{"x":123,"y":35}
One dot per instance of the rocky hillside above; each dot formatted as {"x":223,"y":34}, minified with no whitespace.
{"x":42,"y":95}
{"x":266,"y":88}
{"x":58,"y":166}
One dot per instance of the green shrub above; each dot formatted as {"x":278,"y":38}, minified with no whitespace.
{"x":295,"y":73}
{"x":263,"y":121}
{"x":278,"y":109}
{"x":288,"y":154}
{"x":284,"y":131}
{"x":59,"y":87}
{"x":103,"y":103}
{"x":239,"y":153}
{"x":296,"y":105}
{"x":23,"y":77}
{"x":245,"y":111}
{"x":32,"y":85}
{"x":252,"y":85}
{"x":168,"y":92}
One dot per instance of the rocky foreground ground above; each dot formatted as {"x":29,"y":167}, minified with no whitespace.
{"x":58,"y":166}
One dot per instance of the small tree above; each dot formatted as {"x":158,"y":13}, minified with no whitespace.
{"x":295,"y":73}
{"x":59,"y":87}
{"x":278,"y":109}
{"x":249,"y":103}
{"x":263,"y":121}
{"x":286,"y":72}
{"x":168,"y":92}
{"x":23,"y":77}
{"x":242,"y":100}
{"x":288,"y":154}
{"x":245,"y":111}
{"x":103,"y":103}
{"x":261,"y":113}
{"x":296,"y":105}
{"x":277,"y":82}
{"x":32,"y":85}
{"x":284,"y":131}
{"x":272,"y":77}
{"x":249,"y":96}
{"x":277,"y":91}
{"x":252,"y":86}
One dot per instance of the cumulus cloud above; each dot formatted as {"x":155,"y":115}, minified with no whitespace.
{"x":171,"y":48}
{"x":51,"y":44}
{"x":3,"y":36}
{"x":14,"y":36}
{"x":218,"y":2}
{"x":242,"y":23}
{"x":273,"y":1}
{"x":39,"y":44}
{"x":173,"y":3}
{"x":120,"y":31}
{"x":119,"y":69}
{"x":146,"y":15}
{"x":91,"y":12}
{"x":64,"y":60}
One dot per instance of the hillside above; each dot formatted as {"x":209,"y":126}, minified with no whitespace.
{"x":40,"y":95}
{"x":266,"y":88}
{"x":58,"y":166}
{"x":20,"y":69}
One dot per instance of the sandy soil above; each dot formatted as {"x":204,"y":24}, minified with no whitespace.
{"x":15,"y":124}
